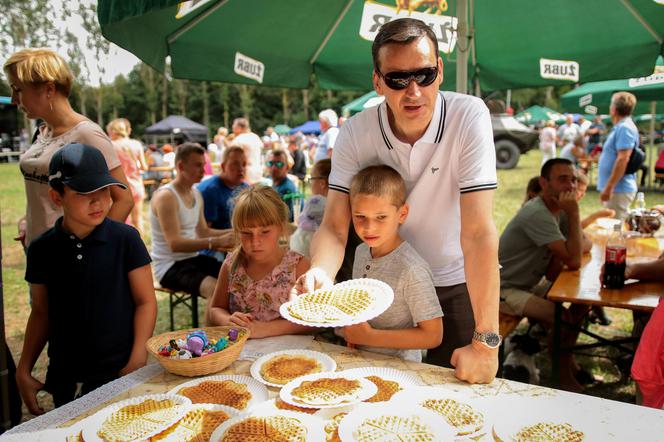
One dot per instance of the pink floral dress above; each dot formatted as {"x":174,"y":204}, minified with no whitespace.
{"x":262,"y":298}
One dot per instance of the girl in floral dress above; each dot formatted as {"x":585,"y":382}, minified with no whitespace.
{"x":257,"y":277}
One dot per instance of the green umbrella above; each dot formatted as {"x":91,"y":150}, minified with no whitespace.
{"x":515,"y":43}
{"x":282,"y":129}
{"x":595,"y":97}
{"x":537,"y":114}
{"x":370,"y":99}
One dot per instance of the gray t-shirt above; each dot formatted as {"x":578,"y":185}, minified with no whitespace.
{"x":415,"y":297}
{"x":523,"y":252}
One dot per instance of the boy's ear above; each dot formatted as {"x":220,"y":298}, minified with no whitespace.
{"x":403,"y":213}
{"x":55,"y":197}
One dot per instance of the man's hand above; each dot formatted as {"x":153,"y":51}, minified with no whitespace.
{"x":475,"y":363}
{"x":132,"y":365}
{"x":315,"y":278}
{"x":28,"y":386}
{"x":567,"y":202}
{"x":358,"y":333}
{"x":606,"y":194}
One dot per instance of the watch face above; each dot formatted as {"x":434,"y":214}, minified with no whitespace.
{"x":492,"y":339}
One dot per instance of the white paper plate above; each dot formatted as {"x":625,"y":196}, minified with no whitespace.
{"x":258,"y":391}
{"x":382,"y":294}
{"x":94,"y":422}
{"x":349,"y":424}
{"x":367,"y":389}
{"x":404,"y":379}
{"x":415,"y":396}
{"x":177,"y":436}
{"x":520,"y":412}
{"x":49,"y":435}
{"x":326,"y":362}
{"x":315,"y":431}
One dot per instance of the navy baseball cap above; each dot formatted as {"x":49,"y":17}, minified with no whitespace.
{"x":81,"y":168}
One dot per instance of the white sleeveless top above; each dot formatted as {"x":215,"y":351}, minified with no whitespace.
{"x":162,"y":255}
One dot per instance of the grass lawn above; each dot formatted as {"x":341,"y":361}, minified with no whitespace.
{"x":509,"y":197}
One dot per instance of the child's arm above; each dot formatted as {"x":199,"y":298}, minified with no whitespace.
{"x":217,"y":311}
{"x":36,"y":334}
{"x":145,"y":316}
{"x":585,"y":222}
{"x":426,"y":334}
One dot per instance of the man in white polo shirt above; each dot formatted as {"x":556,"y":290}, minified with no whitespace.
{"x":442,"y":145}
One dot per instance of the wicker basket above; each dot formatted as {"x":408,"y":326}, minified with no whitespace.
{"x":208,"y":364}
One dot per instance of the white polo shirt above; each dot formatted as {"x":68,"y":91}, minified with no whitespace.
{"x":455,"y":155}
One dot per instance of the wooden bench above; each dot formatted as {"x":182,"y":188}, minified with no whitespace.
{"x":659,"y":178}
{"x":506,"y":325}
{"x":176,"y":298}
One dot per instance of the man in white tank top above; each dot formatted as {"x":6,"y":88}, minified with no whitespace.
{"x":179,"y":229}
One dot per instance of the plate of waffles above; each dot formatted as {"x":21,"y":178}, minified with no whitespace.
{"x":280,"y":367}
{"x":279,"y":425}
{"x":327,"y":390}
{"x":347,"y":303}
{"x":239,"y":392}
{"x":389,"y":381}
{"x":468,"y":417}
{"x":392,"y":421}
{"x":197,"y":424}
{"x":556,"y":418}
{"x":138,"y":418}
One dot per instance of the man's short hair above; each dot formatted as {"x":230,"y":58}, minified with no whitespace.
{"x":401,"y":31}
{"x":39,"y":65}
{"x":330,"y":116}
{"x":322,"y":168}
{"x":185,"y":150}
{"x":546,"y":168}
{"x":381,"y":181}
{"x":242,"y":123}
{"x":231,"y":150}
{"x":623,"y":103}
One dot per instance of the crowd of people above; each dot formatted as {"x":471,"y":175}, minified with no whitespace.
{"x":413,"y":179}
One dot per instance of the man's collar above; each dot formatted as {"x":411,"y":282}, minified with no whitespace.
{"x":434,"y":132}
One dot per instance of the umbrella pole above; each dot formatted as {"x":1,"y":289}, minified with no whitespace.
{"x":651,"y":149}
{"x":5,"y":419}
{"x":462,"y":47}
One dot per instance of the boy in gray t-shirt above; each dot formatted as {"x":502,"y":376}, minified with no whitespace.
{"x":414,"y":320}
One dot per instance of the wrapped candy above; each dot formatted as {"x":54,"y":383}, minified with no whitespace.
{"x":221,"y":344}
{"x":184,"y":354}
{"x":196,"y":342}
{"x":233,"y":334}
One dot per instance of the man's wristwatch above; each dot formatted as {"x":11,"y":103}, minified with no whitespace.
{"x":490,"y":339}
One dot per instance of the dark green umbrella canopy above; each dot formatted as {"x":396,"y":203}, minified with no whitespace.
{"x":537,"y":114}
{"x":516,"y":43}
{"x":595,"y":97}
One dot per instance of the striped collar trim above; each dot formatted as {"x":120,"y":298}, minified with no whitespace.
{"x":440,"y":114}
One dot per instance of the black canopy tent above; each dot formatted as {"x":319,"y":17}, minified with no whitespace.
{"x":178,"y":129}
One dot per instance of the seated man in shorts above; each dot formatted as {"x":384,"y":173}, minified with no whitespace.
{"x":543,"y":233}
{"x":179,"y":229}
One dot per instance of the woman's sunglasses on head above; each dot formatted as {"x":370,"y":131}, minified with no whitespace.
{"x":400,"y":80}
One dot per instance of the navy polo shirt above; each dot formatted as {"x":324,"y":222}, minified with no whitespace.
{"x":90,"y":305}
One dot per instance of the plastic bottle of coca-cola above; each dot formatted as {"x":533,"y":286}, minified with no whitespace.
{"x":615,"y":259}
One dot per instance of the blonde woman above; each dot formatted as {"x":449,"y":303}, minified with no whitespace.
{"x":41,"y":82}
{"x":132,"y":159}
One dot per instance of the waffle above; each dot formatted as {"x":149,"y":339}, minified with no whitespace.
{"x":326,"y":391}
{"x":266,"y":429}
{"x":386,"y":389}
{"x":286,"y":406}
{"x":134,"y":422}
{"x":332,"y":428}
{"x":196,"y":426}
{"x":393,"y":428}
{"x":325,"y":306}
{"x":78,"y":437}
{"x":284,"y":368}
{"x":462,"y":417}
{"x":226,"y":392}
{"x":547,"y":431}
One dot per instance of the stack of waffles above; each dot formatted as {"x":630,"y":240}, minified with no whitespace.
{"x":386,"y":389}
{"x":549,"y":431}
{"x":327,"y":391}
{"x":327,"y":306}
{"x":332,"y":428}
{"x":398,"y":428}
{"x":226,"y":392}
{"x":283,"y":368}
{"x":136,"y":422}
{"x":462,"y":417}
{"x":266,"y":429}
{"x":196,"y":426}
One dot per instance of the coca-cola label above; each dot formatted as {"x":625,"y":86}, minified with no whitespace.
{"x":616,"y":255}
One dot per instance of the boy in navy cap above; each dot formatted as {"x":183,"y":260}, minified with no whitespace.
{"x":91,"y":283}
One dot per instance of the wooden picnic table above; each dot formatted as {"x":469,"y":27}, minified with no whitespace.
{"x":605,"y":419}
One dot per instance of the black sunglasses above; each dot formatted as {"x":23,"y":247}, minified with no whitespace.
{"x":279,"y":164}
{"x":399,"y":80}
